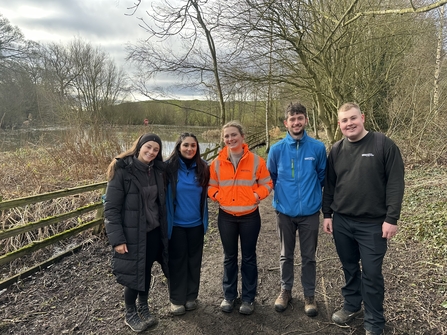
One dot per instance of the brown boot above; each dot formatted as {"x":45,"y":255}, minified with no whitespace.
{"x":283,"y":300}
{"x":310,"y":306}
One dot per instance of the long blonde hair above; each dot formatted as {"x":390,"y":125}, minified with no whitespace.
{"x":130,"y":152}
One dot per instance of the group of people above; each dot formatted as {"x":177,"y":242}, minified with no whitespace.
{"x":157,"y":211}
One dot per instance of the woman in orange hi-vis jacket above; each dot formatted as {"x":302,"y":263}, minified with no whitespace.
{"x":239,"y":180}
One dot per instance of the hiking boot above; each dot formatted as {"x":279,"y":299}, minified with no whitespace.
{"x":177,"y":309}
{"x":310,"y":306}
{"x":343,"y":316}
{"x":283,"y":300}
{"x":247,"y":308}
{"x":227,"y":306}
{"x":191,"y":305}
{"x":133,"y":320}
{"x":146,"y":316}
{"x":370,"y":332}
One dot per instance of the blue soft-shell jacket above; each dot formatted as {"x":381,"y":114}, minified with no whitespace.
{"x":175,"y":178}
{"x":297,"y":168}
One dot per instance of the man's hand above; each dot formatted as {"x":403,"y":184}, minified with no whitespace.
{"x":327,"y":225}
{"x":388,"y":230}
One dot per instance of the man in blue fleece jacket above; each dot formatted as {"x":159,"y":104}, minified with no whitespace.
{"x":297,"y":166}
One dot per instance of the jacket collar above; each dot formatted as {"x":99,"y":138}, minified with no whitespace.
{"x":224,"y":152}
{"x":183,"y":165}
{"x":291,"y":141}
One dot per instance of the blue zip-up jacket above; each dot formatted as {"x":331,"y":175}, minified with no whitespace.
{"x":297,"y":168}
{"x":185,"y":176}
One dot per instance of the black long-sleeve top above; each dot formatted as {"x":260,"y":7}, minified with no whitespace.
{"x":363,"y":183}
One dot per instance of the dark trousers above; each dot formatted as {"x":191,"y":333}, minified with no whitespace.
{"x":185,"y":261}
{"x":246,"y":228}
{"x":153,"y":249}
{"x":362,"y":241}
{"x":307,"y":227}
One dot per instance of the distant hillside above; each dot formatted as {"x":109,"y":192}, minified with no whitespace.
{"x":185,"y":112}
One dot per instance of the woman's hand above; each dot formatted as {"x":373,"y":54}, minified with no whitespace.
{"x":121,"y":249}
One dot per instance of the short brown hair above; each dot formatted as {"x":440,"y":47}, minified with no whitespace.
{"x":295,"y":108}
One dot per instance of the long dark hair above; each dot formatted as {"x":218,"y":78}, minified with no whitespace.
{"x":173,"y":163}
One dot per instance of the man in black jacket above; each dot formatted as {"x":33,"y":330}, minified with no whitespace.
{"x":362,"y":200}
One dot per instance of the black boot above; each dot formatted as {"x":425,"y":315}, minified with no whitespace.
{"x":133,"y":320}
{"x":145,"y":315}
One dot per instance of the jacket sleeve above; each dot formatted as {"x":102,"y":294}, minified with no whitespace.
{"x":115,"y":197}
{"x":329,"y":187}
{"x":214,"y":181}
{"x":271,"y":165}
{"x":321,"y":168}
{"x":265,"y":183}
{"x":170,"y":207}
{"x":395,"y":184}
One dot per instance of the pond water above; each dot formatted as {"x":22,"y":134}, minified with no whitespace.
{"x":11,"y":140}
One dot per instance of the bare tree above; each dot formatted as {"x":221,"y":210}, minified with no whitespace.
{"x":16,"y":86}
{"x":326,"y":51}
{"x":97,"y":82}
{"x":13,"y":45}
{"x":188,"y":50}
{"x":439,"y":47}
{"x":80,"y":81}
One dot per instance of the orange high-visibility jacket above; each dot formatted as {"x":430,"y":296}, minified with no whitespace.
{"x":235,"y":188}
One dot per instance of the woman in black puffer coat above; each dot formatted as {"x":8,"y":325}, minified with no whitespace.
{"x":136,"y":225}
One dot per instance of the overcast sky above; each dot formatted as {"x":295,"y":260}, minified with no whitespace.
{"x":102,"y":23}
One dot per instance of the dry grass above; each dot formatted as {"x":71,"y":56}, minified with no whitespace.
{"x":75,"y":161}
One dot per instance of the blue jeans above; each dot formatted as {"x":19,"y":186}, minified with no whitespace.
{"x":231,"y":228}
{"x":307,"y":227}
{"x":362,"y":241}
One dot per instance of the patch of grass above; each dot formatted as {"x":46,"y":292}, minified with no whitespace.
{"x":424,"y":209}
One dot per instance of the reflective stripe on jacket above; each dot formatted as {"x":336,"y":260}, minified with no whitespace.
{"x":236,"y":188}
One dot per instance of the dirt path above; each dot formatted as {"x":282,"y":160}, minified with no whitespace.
{"x":79,"y":295}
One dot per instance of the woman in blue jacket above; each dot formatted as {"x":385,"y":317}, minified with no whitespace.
{"x":188,"y":177}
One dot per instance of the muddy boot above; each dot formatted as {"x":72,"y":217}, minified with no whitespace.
{"x":145,"y":315}
{"x":133,"y":320}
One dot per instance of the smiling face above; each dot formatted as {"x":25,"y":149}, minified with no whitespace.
{"x":351,"y":124}
{"x":148,"y":152}
{"x":188,"y":147}
{"x":233,"y":139}
{"x":295,"y":124}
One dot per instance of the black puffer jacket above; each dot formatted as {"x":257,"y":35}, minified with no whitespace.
{"x":125,"y":222}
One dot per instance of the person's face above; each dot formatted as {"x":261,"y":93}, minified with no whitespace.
{"x":188,"y":147}
{"x":295,"y":124}
{"x":351,"y":124}
{"x":233,"y":139}
{"x":148,"y":152}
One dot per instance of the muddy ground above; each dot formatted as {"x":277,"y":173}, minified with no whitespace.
{"x":79,"y":294}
